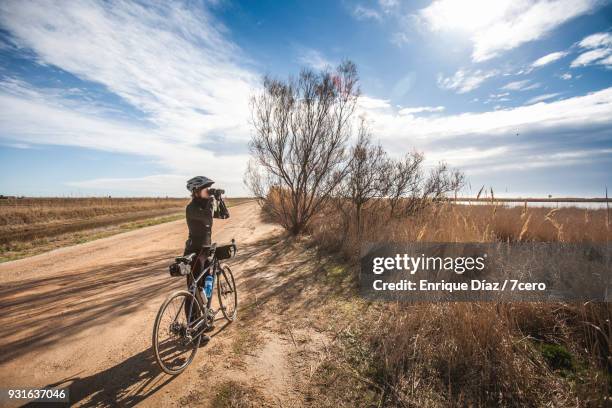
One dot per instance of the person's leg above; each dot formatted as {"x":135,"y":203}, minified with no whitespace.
{"x":189,"y":307}
{"x":187,"y":250}
{"x":192,"y":308}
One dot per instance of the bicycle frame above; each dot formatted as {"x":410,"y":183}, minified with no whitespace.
{"x":196,"y":325}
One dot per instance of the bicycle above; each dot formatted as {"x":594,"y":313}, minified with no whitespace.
{"x":190,"y":313}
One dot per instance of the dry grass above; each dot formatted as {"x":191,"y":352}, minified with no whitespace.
{"x":448,"y":222}
{"x":32,"y":225}
{"x":480,"y":354}
{"x":23,"y":249}
{"x":40,"y":210}
{"x":492,"y":354}
{"x":25,"y":219}
{"x":233,"y":394}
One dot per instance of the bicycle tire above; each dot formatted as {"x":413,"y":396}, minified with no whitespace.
{"x":227,"y":278}
{"x":156,"y":328}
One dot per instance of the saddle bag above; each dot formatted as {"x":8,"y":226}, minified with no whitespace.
{"x":181,"y":266}
{"x":225,"y":251}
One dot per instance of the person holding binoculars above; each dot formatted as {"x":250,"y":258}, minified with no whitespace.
{"x":206,"y":203}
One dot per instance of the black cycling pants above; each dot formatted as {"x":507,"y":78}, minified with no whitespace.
{"x":195,"y":313}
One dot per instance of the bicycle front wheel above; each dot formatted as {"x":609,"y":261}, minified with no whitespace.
{"x":226,"y":291}
{"x":172,"y":342}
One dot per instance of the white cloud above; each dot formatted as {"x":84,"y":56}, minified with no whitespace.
{"x":596,"y":40}
{"x":361,"y":12}
{"x":367,"y":102}
{"x":314,"y":59}
{"x":388,"y":5}
{"x":465,"y":81}
{"x":463,"y":157}
{"x":606,"y":61}
{"x":169,"y":63}
{"x":498,"y":26}
{"x":591,"y":108}
{"x":171,"y":184}
{"x":172,"y":64}
{"x":591,"y":57}
{"x":516,"y":85}
{"x":547,"y":59}
{"x":566,"y":76}
{"x":523,"y":85}
{"x":531,"y":161}
{"x":400,"y":38}
{"x":542,"y":98}
{"x":436,"y":135}
{"x":22,"y":146}
{"x":364,"y":13}
{"x":420,"y":109}
{"x":44,"y":120}
{"x":499,"y":95}
{"x":600,"y":51}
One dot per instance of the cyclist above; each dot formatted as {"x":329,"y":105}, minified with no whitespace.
{"x":199,"y":214}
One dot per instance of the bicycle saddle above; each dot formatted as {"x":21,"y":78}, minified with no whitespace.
{"x":186,"y":258}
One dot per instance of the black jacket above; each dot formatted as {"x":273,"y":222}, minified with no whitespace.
{"x":199,"y":214}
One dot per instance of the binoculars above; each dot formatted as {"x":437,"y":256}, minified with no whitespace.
{"x":216,"y":192}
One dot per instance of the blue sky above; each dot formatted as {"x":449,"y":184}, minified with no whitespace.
{"x":130,"y":98}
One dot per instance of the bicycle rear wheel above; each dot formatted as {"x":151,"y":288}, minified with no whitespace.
{"x":227,"y":294}
{"x":172,"y":342}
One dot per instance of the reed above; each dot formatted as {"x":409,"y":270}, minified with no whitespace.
{"x":483,"y":354}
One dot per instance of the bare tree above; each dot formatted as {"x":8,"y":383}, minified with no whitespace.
{"x":368,"y":173}
{"x":375,"y":180}
{"x":441,"y":181}
{"x":404,"y":182}
{"x":301,"y":128}
{"x":410,"y":191}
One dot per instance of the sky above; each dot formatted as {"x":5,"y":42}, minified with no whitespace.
{"x":133,"y":98}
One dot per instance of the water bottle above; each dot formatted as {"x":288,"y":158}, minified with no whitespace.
{"x":208,"y":286}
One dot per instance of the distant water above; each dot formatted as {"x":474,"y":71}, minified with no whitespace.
{"x":592,"y":206}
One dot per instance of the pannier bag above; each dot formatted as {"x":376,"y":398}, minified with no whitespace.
{"x":225,"y":251}
{"x":181,"y":267}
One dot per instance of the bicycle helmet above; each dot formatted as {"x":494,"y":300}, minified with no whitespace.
{"x":198,"y":183}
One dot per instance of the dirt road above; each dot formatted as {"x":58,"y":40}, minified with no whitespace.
{"x":81,"y":317}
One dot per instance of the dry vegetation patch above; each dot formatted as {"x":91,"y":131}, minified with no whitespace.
{"x":28,"y":218}
{"x":234,"y":394}
{"x":310,"y":181}
{"x":33,"y":225}
{"x":465,"y":354}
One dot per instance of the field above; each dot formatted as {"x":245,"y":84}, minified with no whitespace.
{"x":33,"y":225}
{"x":304,"y":336}
{"x":471,"y":353}
{"x":447,"y":222}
